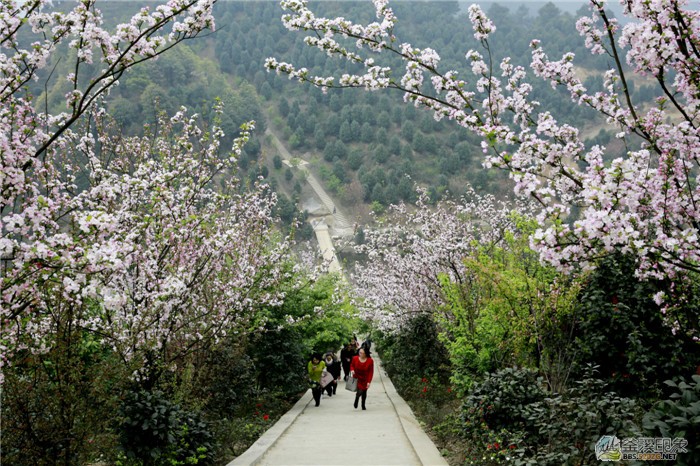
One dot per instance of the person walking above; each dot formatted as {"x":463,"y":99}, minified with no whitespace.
{"x":368,"y":342}
{"x":333,"y":367}
{"x":346,"y":355}
{"x":362,"y":368}
{"x":315,"y":369}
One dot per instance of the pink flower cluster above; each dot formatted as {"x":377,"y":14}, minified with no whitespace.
{"x":413,"y":252}
{"x":148,"y":242}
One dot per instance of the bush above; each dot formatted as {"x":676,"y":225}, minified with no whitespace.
{"x":227,"y":380}
{"x":678,"y":417}
{"x":501,"y":399}
{"x":510,"y":415}
{"x":57,"y":407}
{"x":622,"y":330}
{"x":564,"y":428}
{"x":414,"y":352}
{"x":280,"y":361}
{"x":155,"y":431}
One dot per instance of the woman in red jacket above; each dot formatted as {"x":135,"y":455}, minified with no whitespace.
{"x":362,"y":368}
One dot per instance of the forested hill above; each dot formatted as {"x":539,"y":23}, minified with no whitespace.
{"x":368,"y":148}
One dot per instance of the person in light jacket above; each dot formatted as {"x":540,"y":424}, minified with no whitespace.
{"x":316,"y":367}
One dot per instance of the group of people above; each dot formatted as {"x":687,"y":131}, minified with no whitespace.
{"x":355,"y":361}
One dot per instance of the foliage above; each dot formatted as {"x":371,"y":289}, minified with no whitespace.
{"x":227,"y":378}
{"x":155,"y":431}
{"x":413,"y":353}
{"x":501,"y":399}
{"x":566,"y":426}
{"x":511,"y":414}
{"x":57,"y":407}
{"x":620,"y":329}
{"x":512,"y":310}
{"x":678,"y":417}
{"x":279,"y":358}
{"x":324,"y":314}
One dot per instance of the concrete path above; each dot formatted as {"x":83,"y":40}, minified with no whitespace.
{"x":326,"y":245}
{"x":336,"y":220}
{"x":335,"y":433}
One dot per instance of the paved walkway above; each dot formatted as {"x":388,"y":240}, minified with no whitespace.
{"x":335,"y":433}
{"x":337,"y":220}
{"x":325,"y":243}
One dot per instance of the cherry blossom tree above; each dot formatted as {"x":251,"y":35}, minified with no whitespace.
{"x":415,"y":254}
{"x":165,"y":242}
{"x":467,"y":266}
{"x":642,"y":202}
{"x":150,"y":243}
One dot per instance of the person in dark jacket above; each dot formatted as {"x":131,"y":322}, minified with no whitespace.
{"x":346,"y":355}
{"x":332,"y":366}
{"x":367,"y":343}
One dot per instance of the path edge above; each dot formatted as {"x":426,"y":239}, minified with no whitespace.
{"x":422,"y":444}
{"x":257,"y":450}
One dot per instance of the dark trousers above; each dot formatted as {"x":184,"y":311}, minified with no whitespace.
{"x":360,"y":394}
{"x":316,"y":392}
{"x":331,"y":388}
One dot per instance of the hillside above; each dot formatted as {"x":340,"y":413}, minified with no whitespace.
{"x":367,"y":149}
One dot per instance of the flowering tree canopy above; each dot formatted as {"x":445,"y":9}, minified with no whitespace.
{"x":643,"y":202}
{"x":148,"y":242}
{"x":414,"y":256}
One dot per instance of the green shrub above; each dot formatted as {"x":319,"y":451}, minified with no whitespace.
{"x":57,"y":407}
{"x":414,"y":352}
{"x":564,"y":428}
{"x":227,"y":380}
{"x":678,"y":417}
{"x":501,"y":399}
{"x":510,"y":415}
{"x":495,"y":410}
{"x":622,"y":330}
{"x":155,"y":431}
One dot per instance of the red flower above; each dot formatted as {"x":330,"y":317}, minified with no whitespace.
{"x":496,"y":446}
{"x":424,"y":380}
{"x":266,"y":417}
{"x":449,"y":389}
{"x":512,"y":447}
{"x":259,"y":405}
{"x":425,"y":389}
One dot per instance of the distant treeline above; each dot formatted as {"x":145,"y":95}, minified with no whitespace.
{"x":368,"y":147}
